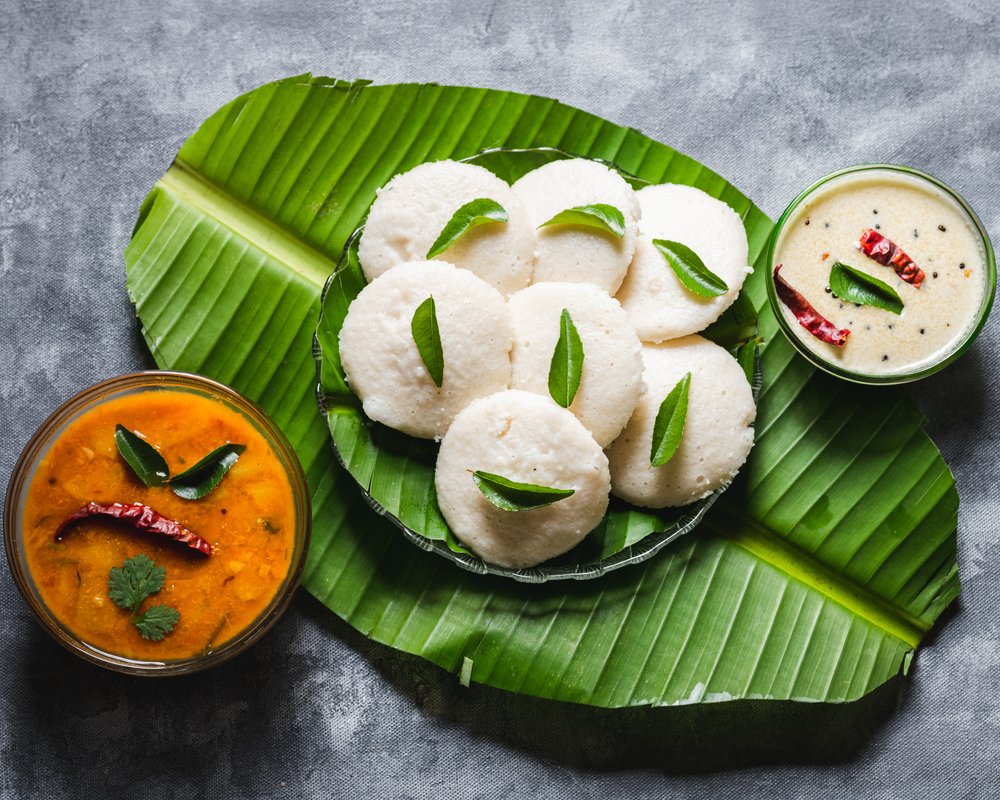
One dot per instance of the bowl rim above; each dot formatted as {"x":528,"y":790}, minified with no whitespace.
{"x":896,"y":378}
{"x":72,"y":409}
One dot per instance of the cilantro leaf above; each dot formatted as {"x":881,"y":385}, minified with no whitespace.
{"x":135,"y":580}
{"x":157,"y":622}
{"x":131,"y":583}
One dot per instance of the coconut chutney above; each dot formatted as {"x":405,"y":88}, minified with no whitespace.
{"x":926,"y":222}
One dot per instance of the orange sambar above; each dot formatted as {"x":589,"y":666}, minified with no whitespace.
{"x":249,"y":519}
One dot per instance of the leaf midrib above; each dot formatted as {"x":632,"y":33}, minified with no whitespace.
{"x":185,"y":181}
{"x":789,"y":559}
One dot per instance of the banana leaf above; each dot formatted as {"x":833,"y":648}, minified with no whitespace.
{"x":814,"y":577}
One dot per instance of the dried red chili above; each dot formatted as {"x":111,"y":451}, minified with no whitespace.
{"x":807,"y":316}
{"x":142,"y":517}
{"x":889,"y":254}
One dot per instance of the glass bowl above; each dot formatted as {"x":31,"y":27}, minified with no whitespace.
{"x":148,"y":384}
{"x":803,"y":206}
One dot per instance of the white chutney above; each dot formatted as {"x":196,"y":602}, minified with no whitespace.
{"x":929,"y":226}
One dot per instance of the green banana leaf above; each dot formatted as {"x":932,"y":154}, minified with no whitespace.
{"x":814,"y":577}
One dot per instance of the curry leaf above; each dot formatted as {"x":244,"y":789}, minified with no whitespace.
{"x":473,"y":213}
{"x":427,"y":335}
{"x":566,"y":367}
{"x":746,"y":357}
{"x":669,"y":426}
{"x":513,"y":496}
{"x":206,"y":474}
{"x":144,"y":459}
{"x":856,"y":286}
{"x":690,"y":269}
{"x":599,"y":215}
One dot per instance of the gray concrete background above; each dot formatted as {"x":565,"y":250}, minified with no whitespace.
{"x":96,"y":98}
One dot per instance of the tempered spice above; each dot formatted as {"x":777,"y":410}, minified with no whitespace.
{"x":142,"y":517}
{"x":889,"y":254}
{"x":807,"y":316}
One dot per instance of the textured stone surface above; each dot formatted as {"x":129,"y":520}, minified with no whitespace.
{"x":95,"y":99}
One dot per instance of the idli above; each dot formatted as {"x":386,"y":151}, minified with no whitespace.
{"x":384,"y":367}
{"x":573,"y":253}
{"x":411,"y":210}
{"x":525,"y":438}
{"x":717,"y":434}
{"x":611,"y":381}
{"x":659,"y":305}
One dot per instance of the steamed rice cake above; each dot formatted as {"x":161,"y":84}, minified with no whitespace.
{"x":611,"y":383}
{"x":658,"y":304}
{"x":573,"y":253}
{"x":411,"y":210}
{"x":526,"y":438}
{"x":717,"y":434}
{"x":384,"y":367}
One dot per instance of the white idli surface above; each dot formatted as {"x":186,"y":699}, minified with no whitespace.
{"x":611,"y":382}
{"x":411,"y":210}
{"x":579,"y":253}
{"x":384,"y":367}
{"x":529,"y":439}
{"x":658,"y":304}
{"x":717,"y":433}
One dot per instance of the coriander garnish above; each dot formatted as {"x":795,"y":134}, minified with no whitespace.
{"x":133,"y":582}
